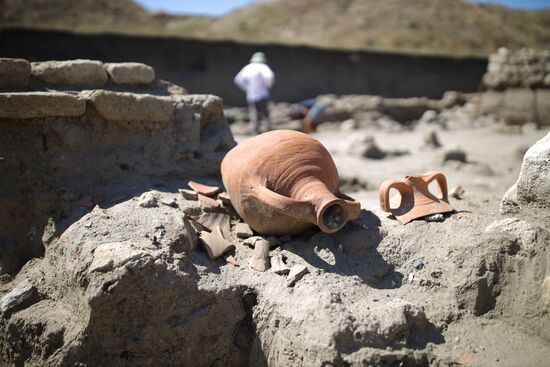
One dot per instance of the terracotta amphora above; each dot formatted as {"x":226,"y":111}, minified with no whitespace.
{"x":414,"y":200}
{"x":284,"y":182}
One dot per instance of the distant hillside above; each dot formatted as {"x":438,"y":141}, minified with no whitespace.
{"x":426,"y":26}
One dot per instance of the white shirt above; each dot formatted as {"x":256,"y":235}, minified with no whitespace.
{"x":255,"y":79}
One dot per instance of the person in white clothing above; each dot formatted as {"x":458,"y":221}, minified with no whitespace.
{"x":256,"y":79}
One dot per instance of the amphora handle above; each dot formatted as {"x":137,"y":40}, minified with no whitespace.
{"x":441,"y":181}
{"x":384,"y":192}
{"x":299,"y":209}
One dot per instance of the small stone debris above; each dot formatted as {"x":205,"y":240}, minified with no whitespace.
{"x":435,"y":218}
{"x":546,"y":290}
{"x":148,"y":200}
{"x":224,"y":197}
{"x":231,"y":260}
{"x":260,"y":258}
{"x":296,"y":273}
{"x":340,"y":248}
{"x":22,"y":293}
{"x":204,"y":189}
{"x":278,"y":265}
{"x":215,"y":246}
{"x":189,"y":194}
{"x":418,"y":264}
{"x":243,"y":230}
{"x":430,"y":139}
{"x":88,"y":225}
{"x":457,"y":192}
{"x":208,"y":204}
{"x":171,"y":203}
{"x":411,"y":278}
{"x":251,"y":241}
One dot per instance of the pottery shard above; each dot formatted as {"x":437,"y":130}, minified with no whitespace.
{"x":131,"y":107}
{"x":190,"y":234}
{"x":215,"y":246}
{"x":130,"y":73}
{"x":21,"y":294}
{"x":533,"y":186}
{"x":224,"y":197}
{"x":296,"y":273}
{"x":40,"y":104}
{"x":188,"y":194}
{"x":243,"y":230}
{"x":208,"y":204}
{"x":278,"y":266}
{"x":260,"y":258}
{"x":204,"y":189}
{"x":89,"y":73}
{"x":14,"y":73}
{"x":112,"y":255}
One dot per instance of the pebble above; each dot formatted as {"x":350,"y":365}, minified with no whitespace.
{"x":21,"y":293}
{"x":435,"y":218}
{"x":418,"y":264}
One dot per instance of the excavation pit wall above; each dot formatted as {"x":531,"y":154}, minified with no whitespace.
{"x":65,"y":151}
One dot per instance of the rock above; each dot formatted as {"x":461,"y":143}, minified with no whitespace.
{"x":88,"y":73}
{"x":453,"y":154}
{"x":243,"y":230}
{"x":418,"y":264}
{"x":296,"y":273}
{"x":251,"y":241}
{"x":435,"y":218}
{"x":430,"y":139}
{"x":278,"y":266}
{"x":260,"y":258}
{"x":131,"y":107}
{"x":365,"y":146}
{"x":19,"y":297}
{"x":545,"y":294}
{"x":188,"y":194}
{"x":509,"y":203}
{"x":204,"y":189}
{"x":26,"y":105}
{"x":457,"y":192}
{"x":533,"y":186}
{"x":215,"y":246}
{"x":14,"y":73}
{"x":130,"y":73}
{"x":109,"y":256}
{"x":148,"y":200}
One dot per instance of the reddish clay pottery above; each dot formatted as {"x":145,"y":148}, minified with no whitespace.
{"x":283,"y":182}
{"x":414,"y":200}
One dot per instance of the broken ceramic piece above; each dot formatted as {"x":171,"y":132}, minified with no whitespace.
{"x":218,"y":232}
{"x":190,"y":234}
{"x":231,"y":260}
{"x":413,"y":199}
{"x":260,"y":258}
{"x":243,"y":230}
{"x":285,"y":182}
{"x":278,"y":266}
{"x":224,"y":197}
{"x":204,"y":189}
{"x":208,"y":204}
{"x":210,"y":221}
{"x":296,"y":273}
{"x":457,"y":192}
{"x":215,"y":246}
{"x":188,"y":194}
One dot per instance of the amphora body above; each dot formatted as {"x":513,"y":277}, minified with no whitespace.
{"x":284,"y":182}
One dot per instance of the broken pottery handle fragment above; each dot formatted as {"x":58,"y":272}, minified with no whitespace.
{"x":414,"y":200}
{"x":284,"y":182}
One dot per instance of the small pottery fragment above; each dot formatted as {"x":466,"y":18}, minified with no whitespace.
{"x":215,"y":246}
{"x":224,"y":197}
{"x":296,"y":273}
{"x":284,"y":182}
{"x":260,"y":258}
{"x":204,"y":189}
{"x":414,"y":200}
{"x":190,"y":234}
{"x":188,"y":194}
{"x":242,"y":230}
{"x":208,"y":204}
{"x":278,"y":266}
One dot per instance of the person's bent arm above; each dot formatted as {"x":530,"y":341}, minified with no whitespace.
{"x":240,"y":80}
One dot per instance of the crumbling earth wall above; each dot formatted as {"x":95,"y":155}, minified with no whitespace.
{"x":72,"y":132}
{"x":517,"y":86}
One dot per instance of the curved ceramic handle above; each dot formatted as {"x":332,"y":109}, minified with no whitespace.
{"x":302,"y":210}
{"x":441,"y":180}
{"x":384,"y":192}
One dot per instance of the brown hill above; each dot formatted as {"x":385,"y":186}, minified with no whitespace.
{"x":426,"y":26}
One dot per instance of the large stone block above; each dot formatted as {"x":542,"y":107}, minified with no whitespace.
{"x":88,"y":73}
{"x":40,"y":104}
{"x":14,"y":73}
{"x":115,"y":106}
{"x":534,"y":178}
{"x":130,"y":73}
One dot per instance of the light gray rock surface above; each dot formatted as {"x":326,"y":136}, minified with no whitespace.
{"x":88,"y":73}
{"x":533,"y":186}
{"x":14,"y":73}
{"x":130,"y":73}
